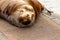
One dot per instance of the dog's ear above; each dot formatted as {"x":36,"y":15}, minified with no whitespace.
{"x":38,"y":7}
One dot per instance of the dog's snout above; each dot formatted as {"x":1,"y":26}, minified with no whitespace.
{"x":22,"y":21}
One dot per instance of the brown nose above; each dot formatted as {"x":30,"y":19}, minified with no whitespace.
{"x":21,"y":20}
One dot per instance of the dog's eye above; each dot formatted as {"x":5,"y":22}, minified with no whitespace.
{"x":21,"y":10}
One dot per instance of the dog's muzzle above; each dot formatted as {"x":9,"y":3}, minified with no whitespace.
{"x":27,"y":19}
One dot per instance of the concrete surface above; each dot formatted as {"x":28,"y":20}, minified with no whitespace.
{"x":43,"y":29}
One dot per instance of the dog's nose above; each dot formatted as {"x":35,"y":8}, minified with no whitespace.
{"x":22,"y":21}
{"x":26,"y":22}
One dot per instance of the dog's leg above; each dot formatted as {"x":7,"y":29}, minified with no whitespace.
{"x":46,"y":11}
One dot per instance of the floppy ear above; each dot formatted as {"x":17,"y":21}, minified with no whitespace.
{"x":38,"y":7}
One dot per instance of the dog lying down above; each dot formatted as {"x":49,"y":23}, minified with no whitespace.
{"x":21,"y":13}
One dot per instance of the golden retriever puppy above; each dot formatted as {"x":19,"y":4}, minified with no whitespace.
{"x":21,"y":13}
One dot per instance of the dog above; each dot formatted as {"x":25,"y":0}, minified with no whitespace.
{"x":21,"y":13}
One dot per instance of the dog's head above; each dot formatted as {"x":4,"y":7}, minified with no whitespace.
{"x":25,"y":14}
